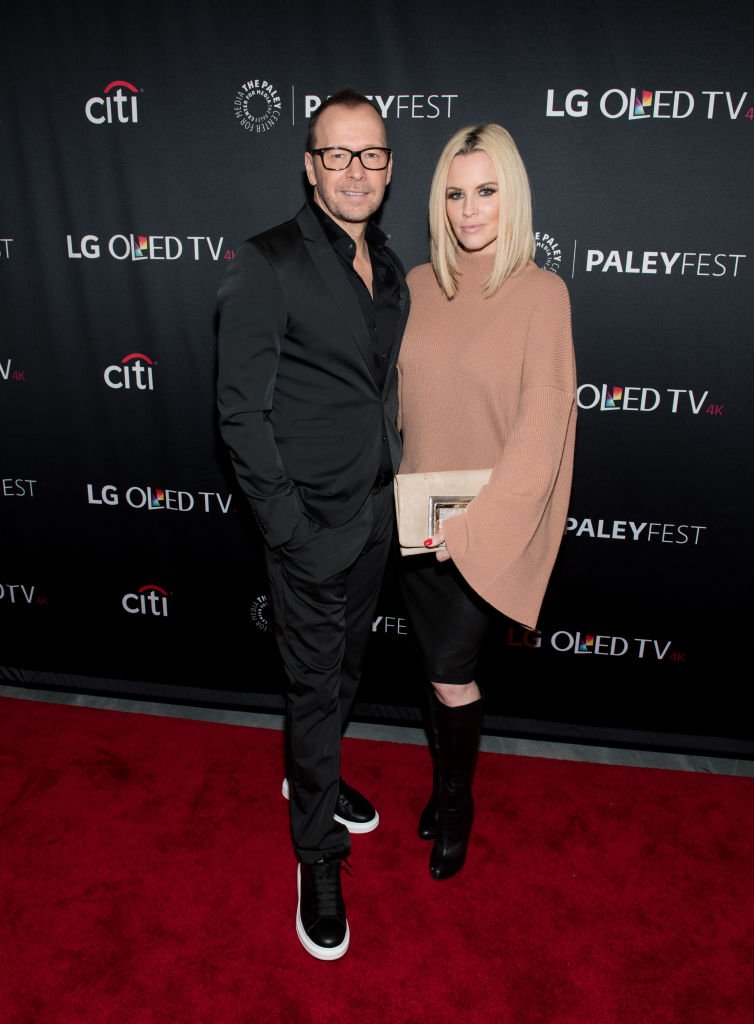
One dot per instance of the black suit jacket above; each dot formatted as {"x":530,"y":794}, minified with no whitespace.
{"x":299,"y":408}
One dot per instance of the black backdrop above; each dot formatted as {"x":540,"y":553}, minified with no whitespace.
{"x":142,"y":142}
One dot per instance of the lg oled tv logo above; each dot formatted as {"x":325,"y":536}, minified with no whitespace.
{"x":135,"y":372}
{"x":615,"y":398}
{"x":157,"y":499}
{"x":10,"y":373}
{"x":149,"y":600}
{"x":142,"y":248}
{"x":648,"y":104}
{"x":18,"y":594}
{"x":636,"y":531}
{"x":118,"y":104}
{"x":590,"y":643}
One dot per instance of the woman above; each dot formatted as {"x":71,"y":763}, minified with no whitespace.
{"x":488,"y":379}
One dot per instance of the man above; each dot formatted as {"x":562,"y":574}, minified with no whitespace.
{"x":311,"y":316}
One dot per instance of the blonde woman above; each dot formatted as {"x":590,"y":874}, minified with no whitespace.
{"x":487,"y":380}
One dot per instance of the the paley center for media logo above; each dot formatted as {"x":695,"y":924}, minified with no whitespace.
{"x":258,"y":105}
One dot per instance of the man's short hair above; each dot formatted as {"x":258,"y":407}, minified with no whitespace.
{"x":341,"y":98}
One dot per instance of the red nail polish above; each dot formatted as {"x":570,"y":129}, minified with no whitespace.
{"x":428,"y":542}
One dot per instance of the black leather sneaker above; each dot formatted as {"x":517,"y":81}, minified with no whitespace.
{"x":321,"y":923}
{"x":352,"y":809}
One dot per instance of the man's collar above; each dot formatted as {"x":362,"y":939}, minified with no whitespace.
{"x":336,"y":234}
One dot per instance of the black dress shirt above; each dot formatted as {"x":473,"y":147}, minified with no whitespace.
{"x":381,"y":309}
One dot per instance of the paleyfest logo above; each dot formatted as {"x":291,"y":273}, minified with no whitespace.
{"x":116,"y":105}
{"x":413,"y":106}
{"x":257,"y":106}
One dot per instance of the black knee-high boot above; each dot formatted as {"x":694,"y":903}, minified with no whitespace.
{"x":428,"y":817}
{"x":458,"y":731}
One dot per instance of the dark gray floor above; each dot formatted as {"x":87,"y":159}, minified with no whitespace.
{"x":405,"y":734}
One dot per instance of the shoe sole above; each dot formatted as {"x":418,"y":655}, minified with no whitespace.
{"x":320,"y":952}
{"x":355,"y":827}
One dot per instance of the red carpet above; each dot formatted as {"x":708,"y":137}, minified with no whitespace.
{"x":147,"y":878}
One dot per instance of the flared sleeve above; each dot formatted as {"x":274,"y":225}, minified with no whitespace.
{"x":506,"y":543}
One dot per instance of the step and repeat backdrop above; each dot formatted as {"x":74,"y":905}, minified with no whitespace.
{"x":142,"y":142}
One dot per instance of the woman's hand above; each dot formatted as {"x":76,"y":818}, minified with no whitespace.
{"x":437,"y":543}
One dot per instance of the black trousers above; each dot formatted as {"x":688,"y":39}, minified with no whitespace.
{"x":324,"y":588}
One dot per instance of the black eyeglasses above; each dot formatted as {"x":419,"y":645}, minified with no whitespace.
{"x":336,"y":158}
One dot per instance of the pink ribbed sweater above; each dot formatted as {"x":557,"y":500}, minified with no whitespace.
{"x":492,"y":382}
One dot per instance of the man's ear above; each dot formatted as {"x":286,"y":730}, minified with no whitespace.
{"x":309,"y":168}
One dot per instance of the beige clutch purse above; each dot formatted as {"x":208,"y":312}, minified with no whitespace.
{"x":424,"y":500}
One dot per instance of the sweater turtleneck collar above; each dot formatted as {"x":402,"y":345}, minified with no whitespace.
{"x":473,"y":267}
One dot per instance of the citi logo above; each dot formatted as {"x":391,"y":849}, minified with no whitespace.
{"x":137,"y":248}
{"x":17,"y":593}
{"x":648,"y":104}
{"x":617,"y":398}
{"x":134,"y":372}
{"x":118,"y":104}
{"x":147,"y":600}
{"x":5,"y":244}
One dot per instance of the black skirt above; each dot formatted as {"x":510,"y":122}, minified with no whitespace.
{"x":449,"y":620}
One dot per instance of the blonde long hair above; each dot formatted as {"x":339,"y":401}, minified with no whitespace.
{"x":515,"y":237}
